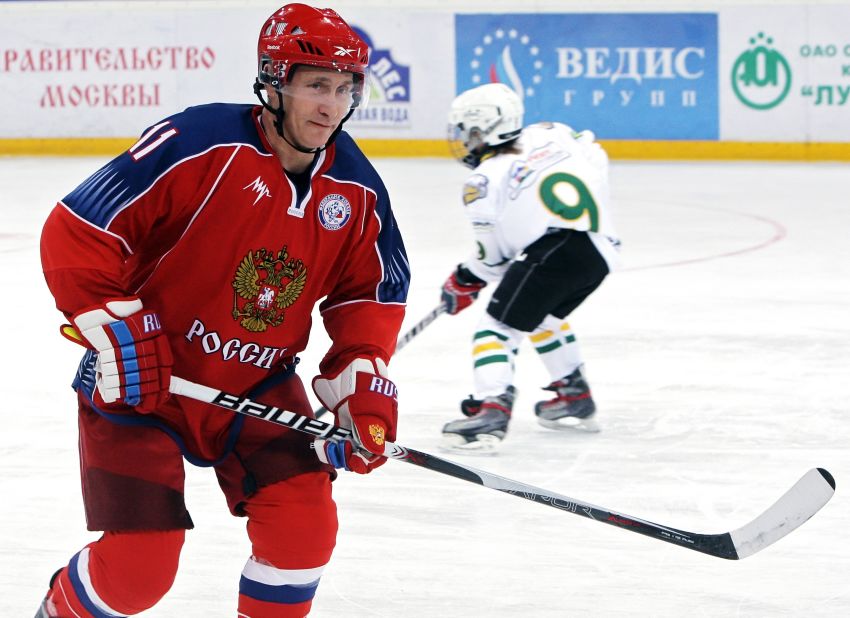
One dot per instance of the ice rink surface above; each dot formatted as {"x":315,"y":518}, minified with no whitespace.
{"x":719,"y":358}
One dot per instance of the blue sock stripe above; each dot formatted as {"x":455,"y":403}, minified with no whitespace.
{"x":286,"y":594}
{"x":80,"y":590}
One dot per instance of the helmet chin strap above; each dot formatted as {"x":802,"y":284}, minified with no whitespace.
{"x":278,"y":121}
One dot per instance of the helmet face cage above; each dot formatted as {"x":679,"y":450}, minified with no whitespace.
{"x":483,"y":117}
{"x":281,"y":74}
{"x":466,"y":145}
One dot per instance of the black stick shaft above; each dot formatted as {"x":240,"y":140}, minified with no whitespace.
{"x":802,"y":501}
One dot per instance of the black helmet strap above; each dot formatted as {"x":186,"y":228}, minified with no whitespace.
{"x":279,"y":114}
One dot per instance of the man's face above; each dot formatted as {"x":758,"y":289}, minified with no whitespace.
{"x":316,"y":100}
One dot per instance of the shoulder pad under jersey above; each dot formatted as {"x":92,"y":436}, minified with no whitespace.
{"x":161,"y":147}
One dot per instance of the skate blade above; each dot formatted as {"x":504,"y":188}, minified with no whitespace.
{"x":571,"y":423}
{"x":484,"y":444}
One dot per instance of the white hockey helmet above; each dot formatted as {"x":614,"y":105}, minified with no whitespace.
{"x":483,"y":117}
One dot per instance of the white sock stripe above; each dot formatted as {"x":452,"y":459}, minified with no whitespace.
{"x":67,"y":600}
{"x":83,"y":574}
{"x":271,"y":576}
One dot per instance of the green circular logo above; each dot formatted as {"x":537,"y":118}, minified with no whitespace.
{"x":761,"y":77}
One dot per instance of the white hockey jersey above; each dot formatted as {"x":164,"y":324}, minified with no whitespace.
{"x":557,"y":179}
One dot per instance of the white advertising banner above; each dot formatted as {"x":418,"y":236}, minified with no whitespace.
{"x":412,"y":73}
{"x":785,"y":73}
{"x":87,"y":70}
{"x":110,"y":71}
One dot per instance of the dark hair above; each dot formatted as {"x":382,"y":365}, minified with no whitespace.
{"x":511,"y":147}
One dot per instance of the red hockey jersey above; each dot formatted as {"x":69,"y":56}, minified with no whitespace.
{"x":200,"y":221}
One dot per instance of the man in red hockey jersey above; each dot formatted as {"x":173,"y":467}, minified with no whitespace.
{"x":202,"y":250}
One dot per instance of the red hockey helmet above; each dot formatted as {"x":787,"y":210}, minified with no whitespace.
{"x":298,"y":34}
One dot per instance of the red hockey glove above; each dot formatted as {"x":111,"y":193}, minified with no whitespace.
{"x":364,"y":400}
{"x":134,"y":358}
{"x":460,"y":290}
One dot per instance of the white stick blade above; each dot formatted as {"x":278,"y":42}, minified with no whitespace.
{"x":804,"y":499}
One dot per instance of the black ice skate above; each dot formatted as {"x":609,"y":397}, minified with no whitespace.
{"x":572,"y":408}
{"x":486,"y":426}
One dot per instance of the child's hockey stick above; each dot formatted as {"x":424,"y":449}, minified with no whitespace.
{"x":797,"y":505}
{"x":420,"y":326}
{"x":405,"y":339}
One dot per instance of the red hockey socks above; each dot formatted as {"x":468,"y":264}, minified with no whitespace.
{"x":121,"y":574}
{"x":292,"y":525}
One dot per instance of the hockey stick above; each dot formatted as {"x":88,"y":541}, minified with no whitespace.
{"x":404,"y":339}
{"x":420,"y":326}
{"x":797,"y":505}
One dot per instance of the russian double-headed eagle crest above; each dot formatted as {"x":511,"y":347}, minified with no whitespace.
{"x":265,"y":284}
{"x":377,"y":433}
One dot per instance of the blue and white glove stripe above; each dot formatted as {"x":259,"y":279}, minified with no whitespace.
{"x":332,"y":452}
{"x":129,"y":361}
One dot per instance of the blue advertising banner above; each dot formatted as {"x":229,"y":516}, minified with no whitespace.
{"x":622,"y":75}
